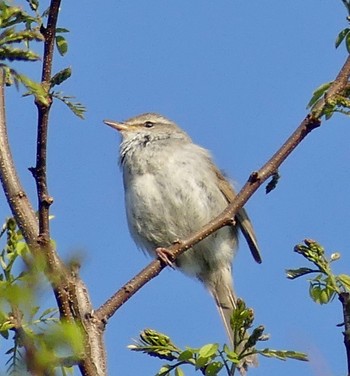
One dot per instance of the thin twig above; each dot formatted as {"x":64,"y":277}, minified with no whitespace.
{"x":39,"y":172}
{"x":255,"y":180}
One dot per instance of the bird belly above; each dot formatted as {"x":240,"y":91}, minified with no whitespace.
{"x":161,"y":211}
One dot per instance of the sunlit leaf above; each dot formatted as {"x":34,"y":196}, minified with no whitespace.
{"x":295,"y":273}
{"x":344,"y":279}
{"x":61,"y":44}
{"x":318,"y":93}
{"x":179,"y":372}
{"x":61,"y":76}
{"x":208,"y":350}
{"x":283,"y":354}
{"x":341,"y":37}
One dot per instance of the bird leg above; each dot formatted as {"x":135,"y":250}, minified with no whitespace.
{"x":166,"y":256}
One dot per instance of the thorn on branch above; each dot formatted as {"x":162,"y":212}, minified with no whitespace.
{"x":33,"y":171}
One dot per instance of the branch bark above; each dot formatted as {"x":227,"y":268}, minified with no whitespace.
{"x":344,"y":298}
{"x":71,"y":294}
{"x":255,"y":180}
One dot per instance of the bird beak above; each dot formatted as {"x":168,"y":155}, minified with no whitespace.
{"x":115,"y":125}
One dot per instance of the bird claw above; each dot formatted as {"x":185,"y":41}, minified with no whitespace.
{"x":165,"y":256}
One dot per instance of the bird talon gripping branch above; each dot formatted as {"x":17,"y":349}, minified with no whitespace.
{"x":166,"y":256}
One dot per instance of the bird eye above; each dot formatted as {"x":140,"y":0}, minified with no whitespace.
{"x":148,"y":124}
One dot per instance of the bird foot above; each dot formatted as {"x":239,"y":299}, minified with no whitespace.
{"x":166,"y":256}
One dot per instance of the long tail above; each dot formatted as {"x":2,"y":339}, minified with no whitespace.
{"x":220,"y":285}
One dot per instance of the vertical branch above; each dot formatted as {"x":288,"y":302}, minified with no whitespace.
{"x":44,"y":200}
{"x":344,"y":298}
{"x":71,"y":294}
{"x":15,"y":195}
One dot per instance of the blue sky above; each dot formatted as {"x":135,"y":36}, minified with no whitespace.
{"x":237,"y":76}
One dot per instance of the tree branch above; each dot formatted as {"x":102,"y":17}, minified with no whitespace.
{"x":256,"y":179}
{"x":71,"y":294}
{"x":344,"y":298}
{"x":39,"y":172}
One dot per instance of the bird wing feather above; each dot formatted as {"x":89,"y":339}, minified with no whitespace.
{"x":242,"y":218}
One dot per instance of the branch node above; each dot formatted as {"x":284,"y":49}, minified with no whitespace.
{"x":254,"y":177}
{"x":313,"y":122}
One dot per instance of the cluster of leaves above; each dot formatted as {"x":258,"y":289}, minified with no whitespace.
{"x":210,"y":359}
{"x":339,"y":103}
{"x":325,"y":285}
{"x":20,"y":27}
{"x":51,"y":343}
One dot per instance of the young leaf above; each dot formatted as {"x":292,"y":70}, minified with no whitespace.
{"x":295,"y":273}
{"x":208,"y":350}
{"x":37,"y":89}
{"x":179,"y":372}
{"x":341,"y":37}
{"x":61,"y":30}
{"x":347,"y":42}
{"x":34,"y":4}
{"x":321,"y":295}
{"x":77,"y":108}
{"x":213,"y":368}
{"x":61,"y":76}
{"x":318,"y":93}
{"x":344,"y":279}
{"x":283,"y":354}
{"x":61,"y":44}
{"x":11,"y":54}
{"x":165,"y":370}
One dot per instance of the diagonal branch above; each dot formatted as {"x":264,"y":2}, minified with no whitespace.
{"x":256,"y":179}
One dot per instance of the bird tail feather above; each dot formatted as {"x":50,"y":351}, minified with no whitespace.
{"x":221,"y":288}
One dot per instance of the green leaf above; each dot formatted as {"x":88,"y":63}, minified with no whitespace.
{"x":61,"y":30}
{"x":295,"y":273}
{"x":165,"y":370}
{"x":283,"y":354}
{"x":10,"y":35}
{"x":318,"y":93}
{"x":208,"y":350}
{"x":201,"y":362}
{"x":61,"y":44}
{"x":213,"y":368}
{"x":34,"y":4}
{"x":11,"y":54}
{"x":344,"y":279}
{"x":179,"y":372}
{"x":61,"y":76}
{"x":341,"y":37}
{"x":185,"y":355}
{"x":347,"y":42}
{"x":77,"y":108}
{"x":37,"y":89}
{"x":321,"y":295}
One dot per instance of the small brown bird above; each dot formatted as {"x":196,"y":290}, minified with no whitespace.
{"x":173,"y":188}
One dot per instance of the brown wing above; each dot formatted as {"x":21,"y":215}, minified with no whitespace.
{"x":242,"y":218}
